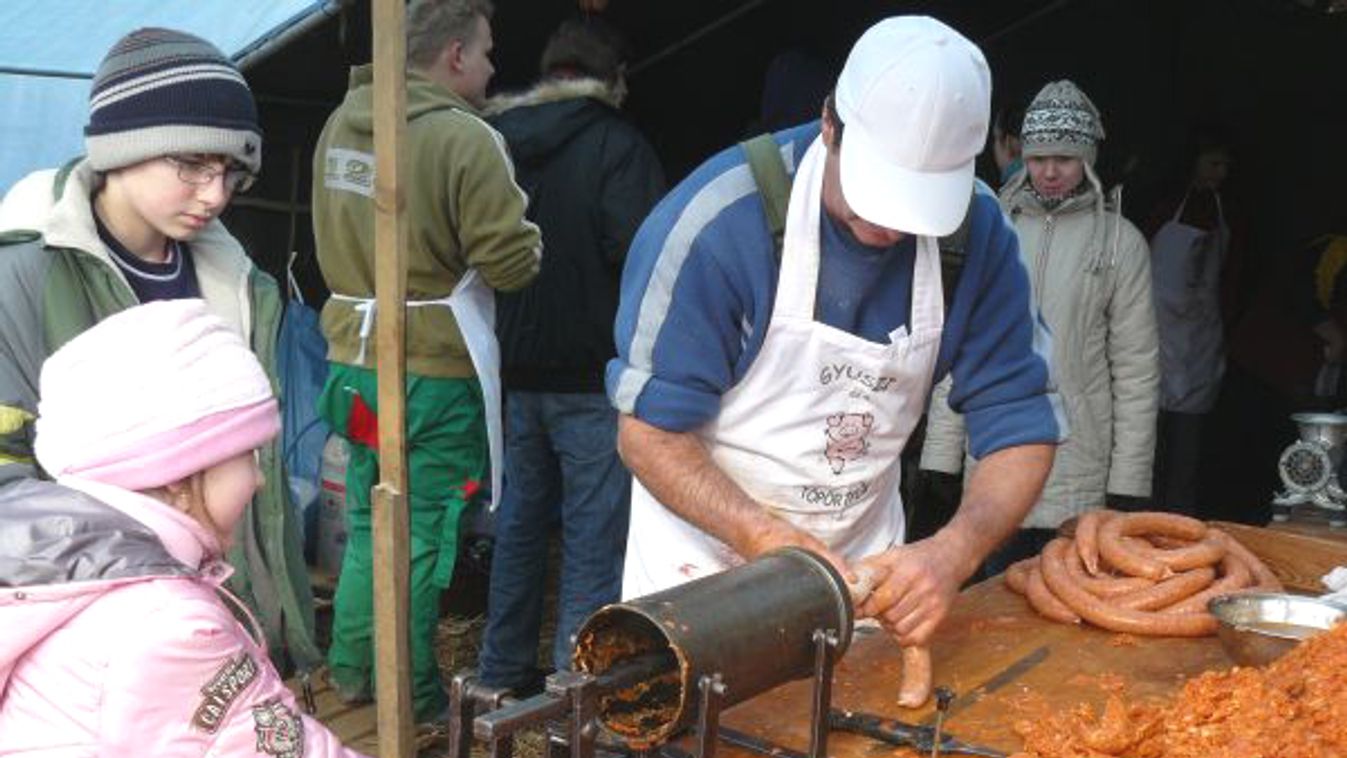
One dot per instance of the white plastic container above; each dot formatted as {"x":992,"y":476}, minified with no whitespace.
{"x":331,"y":542}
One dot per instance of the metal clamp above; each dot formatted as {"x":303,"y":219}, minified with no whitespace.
{"x":825,"y":656}
{"x":712,"y":690}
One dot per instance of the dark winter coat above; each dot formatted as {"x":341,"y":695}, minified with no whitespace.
{"x":591,"y":179}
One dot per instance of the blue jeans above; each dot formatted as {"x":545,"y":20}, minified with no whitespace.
{"x":561,"y":464}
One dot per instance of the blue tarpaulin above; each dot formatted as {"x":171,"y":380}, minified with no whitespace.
{"x":49,"y":50}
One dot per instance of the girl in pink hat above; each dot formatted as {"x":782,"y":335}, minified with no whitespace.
{"x":117,"y":641}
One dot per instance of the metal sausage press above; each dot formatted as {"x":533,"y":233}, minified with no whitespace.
{"x":649,"y":669}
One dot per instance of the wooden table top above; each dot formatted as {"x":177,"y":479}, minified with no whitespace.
{"x":989,"y":629}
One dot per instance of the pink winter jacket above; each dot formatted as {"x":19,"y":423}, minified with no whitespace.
{"x":114,"y":642}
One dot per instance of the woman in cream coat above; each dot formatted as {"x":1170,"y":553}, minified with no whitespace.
{"x":1090,"y":272}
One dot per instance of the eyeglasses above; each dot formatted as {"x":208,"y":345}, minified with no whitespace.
{"x":200,"y":173}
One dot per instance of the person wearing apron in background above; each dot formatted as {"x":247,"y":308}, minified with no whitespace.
{"x":1189,"y":251}
{"x":765,"y":401}
{"x":460,"y":246}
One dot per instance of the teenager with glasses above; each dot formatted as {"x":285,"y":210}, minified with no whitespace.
{"x":172,"y":136}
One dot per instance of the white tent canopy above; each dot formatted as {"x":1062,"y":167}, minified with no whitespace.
{"x":49,"y":50}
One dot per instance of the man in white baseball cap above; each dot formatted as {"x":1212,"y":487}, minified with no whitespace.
{"x":767,"y":390}
{"x":915,"y":98}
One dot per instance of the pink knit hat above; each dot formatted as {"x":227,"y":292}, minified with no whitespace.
{"x":150,"y":396}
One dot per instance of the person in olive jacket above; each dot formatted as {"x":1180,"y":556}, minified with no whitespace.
{"x":466,"y":236}
{"x":591,"y":179}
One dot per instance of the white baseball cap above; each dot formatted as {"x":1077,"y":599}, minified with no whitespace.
{"x":915,"y":99}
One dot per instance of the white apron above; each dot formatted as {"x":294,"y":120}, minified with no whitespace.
{"x":1185,"y":283}
{"x":473,"y":304}
{"x":816,"y":427}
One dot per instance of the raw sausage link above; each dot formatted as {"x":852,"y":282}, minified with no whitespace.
{"x":1103,"y":586}
{"x":1189,"y":555}
{"x":1132,"y":562}
{"x":1017,"y":574}
{"x":1043,"y":601}
{"x":1236,"y":576}
{"x":1087,"y":538}
{"x":1163,"y":525}
{"x":916,"y":684}
{"x":1097,"y":612}
{"x":1263,"y":577}
{"x":1119,"y":554}
{"x":1169,"y":591}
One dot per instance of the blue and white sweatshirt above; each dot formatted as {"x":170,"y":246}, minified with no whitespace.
{"x":700,"y":281}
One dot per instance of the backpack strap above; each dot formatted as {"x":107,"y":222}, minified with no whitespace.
{"x":954,"y":253}
{"x":769,"y":172}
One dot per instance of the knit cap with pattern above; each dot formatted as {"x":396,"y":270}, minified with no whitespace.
{"x":1062,"y":121}
{"x":160,"y":92}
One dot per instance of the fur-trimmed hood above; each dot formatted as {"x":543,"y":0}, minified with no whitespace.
{"x":553,"y":90}
{"x":591,"y":178}
{"x":541,"y":120}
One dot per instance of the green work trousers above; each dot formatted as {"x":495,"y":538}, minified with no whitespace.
{"x":446,"y":460}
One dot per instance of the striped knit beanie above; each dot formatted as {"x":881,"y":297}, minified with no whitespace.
{"x":1062,"y":121}
{"x":160,"y":92}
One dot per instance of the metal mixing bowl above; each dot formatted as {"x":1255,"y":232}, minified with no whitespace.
{"x":1258,"y":627}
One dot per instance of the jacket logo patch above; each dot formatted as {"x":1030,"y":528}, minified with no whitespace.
{"x":221,"y":691}
{"x":349,"y":171}
{"x":280,"y":731}
{"x":847,"y":436}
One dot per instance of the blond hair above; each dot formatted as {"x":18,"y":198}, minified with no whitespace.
{"x":433,"y":24}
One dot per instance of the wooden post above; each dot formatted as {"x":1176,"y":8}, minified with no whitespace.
{"x":389,"y":498}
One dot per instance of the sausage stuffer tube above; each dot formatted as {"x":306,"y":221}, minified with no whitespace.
{"x":753,"y":626}
{"x":648,"y":667}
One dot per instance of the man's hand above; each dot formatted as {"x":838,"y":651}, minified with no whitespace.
{"x":921,"y":580}
{"x":915,"y":587}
